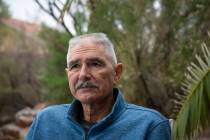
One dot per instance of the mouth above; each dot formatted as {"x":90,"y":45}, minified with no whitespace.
{"x":86,"y":89}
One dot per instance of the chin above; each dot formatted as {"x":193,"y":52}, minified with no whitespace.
{"x":86,"y":97}
{"x":87,"y":100}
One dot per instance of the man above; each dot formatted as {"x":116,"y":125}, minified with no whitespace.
{"x":99,"y":111}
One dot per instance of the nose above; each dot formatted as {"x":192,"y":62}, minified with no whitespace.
{"x":84,"y":73}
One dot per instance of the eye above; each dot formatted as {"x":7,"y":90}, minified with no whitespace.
{"x":74,"y":66}
{"x":95,"y":64}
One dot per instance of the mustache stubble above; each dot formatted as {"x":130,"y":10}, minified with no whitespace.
{"x":85,"y":84}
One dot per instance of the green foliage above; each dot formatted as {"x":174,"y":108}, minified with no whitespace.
{"x":80,"y":18}
{"x":55,"y":83}
{"x":155,"y":43}
{"x":3,"y":13}
{"x":3,"y":10}
{"x":194,"y":114}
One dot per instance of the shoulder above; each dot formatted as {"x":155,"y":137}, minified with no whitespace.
{"x":46,"y":120}
{"x":150,"y":119}
{"x":145,"y":113}
{"x":54,"y":111}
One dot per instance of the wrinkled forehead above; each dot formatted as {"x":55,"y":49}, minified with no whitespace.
{"x":89,"y":43}
{"x":88,"y":48}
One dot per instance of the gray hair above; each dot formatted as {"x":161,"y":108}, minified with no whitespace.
{"x":98,"y":38}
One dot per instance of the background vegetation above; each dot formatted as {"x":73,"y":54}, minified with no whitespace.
{"x":155,"y":39}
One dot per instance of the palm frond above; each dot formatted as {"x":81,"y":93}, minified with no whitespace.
{"x":194,"y":114}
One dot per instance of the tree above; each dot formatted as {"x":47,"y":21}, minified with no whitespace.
{"x":130,"y":25}
{"x":54,"y":80}
{"x":21,"y":58}
{"x":3,"y":14}
{"x":62,"y":12}
{"x":155,"y":40}
{"x":3,"y":10}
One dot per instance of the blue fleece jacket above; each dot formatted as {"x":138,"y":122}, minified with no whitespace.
{"x":124,"y":122}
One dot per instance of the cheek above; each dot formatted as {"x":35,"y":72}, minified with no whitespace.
{"x":108,"y":79}
{"x":72,"y":81}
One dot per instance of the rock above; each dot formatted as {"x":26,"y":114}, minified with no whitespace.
{"x":23,"y":133}
{"x":25,"y":112}
{"x":24,"y":117}
{"x":10,"y":103}
{"x":6,"y":118}
{"x":8,"y":138}
{"x":1,"y":134}
{"x":24,"y":121}
{"x":10,"y":131}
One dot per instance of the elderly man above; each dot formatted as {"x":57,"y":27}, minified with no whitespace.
{"x":99,"y":111}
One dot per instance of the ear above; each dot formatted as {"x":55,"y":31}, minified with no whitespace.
{"x":66,"y":69}
{"x":118,"y":72}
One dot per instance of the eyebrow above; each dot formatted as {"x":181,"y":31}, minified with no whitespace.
{"x":96,"y":59}
{"x":72,"y":62}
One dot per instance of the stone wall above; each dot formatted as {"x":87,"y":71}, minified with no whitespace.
{"x":18,"y":129}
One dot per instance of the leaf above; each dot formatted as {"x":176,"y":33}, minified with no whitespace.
{"x":194,"y":114}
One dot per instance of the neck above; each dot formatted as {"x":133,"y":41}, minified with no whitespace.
{"x":94,"y":112}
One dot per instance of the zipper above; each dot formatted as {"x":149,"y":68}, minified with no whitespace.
{"x":85,"y":134}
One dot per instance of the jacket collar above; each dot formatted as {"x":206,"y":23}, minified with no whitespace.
{"x":118,"y":107}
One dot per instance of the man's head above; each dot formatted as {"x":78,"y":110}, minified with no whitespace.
{"x":92,"y":67}
{"x":96,"y":38}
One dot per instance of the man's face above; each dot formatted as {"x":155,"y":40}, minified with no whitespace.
{"x":91,"y":73}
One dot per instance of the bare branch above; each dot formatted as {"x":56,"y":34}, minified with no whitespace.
{"x":60,"y":2}
{"x":66,"y":8}
{"x":42,"y":7}
{"x":51,"y":12}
